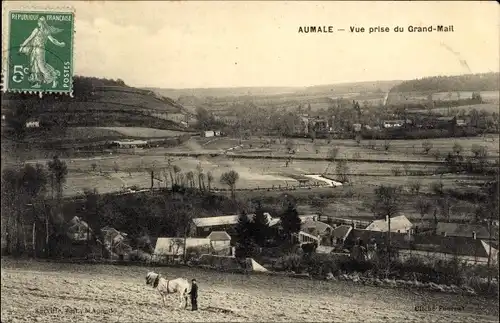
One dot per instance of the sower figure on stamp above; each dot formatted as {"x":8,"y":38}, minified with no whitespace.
{"x":194,"y":295}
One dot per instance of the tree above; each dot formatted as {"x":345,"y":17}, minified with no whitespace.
{"x":427,"y":146}
{"x":342,"y":170}
{"x":210,"y":179}
{"x":58,"y":171}
{"x":387,"y":203}
{"x":177,"y":171}
{"x":290,"y":221}
{"x":93,"y":218}
{"x":437,"y":188}
{"x":457,"y":148}
{"x":170,"y":169}
{"x":205,"y":118}
{"x":415,"y":187}
{"x":244,"y":233}
{"x":230,"y":178}
{"x":444,"y":203}
{"x":387,"y":145}
{"x":396,"y":171}
{"x":201,"y":176}
{"x":260,"y":226}
{"x":331,"y":156}
{"x":190,"y":178}
{"x":201,"y":181}
{"x":423,"y":207}
{"x":19,"y":189}
{"x":290,"y":145}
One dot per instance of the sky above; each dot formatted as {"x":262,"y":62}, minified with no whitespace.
{"x":194,"y":44}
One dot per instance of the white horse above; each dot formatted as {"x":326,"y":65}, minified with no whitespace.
{"x":169,"y":286}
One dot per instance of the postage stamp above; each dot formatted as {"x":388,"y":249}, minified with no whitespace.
{"x":39,"y":51}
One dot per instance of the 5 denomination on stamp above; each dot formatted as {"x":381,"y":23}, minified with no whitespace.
{"x":40,"y":54}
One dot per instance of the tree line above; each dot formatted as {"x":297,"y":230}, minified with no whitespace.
{"x":469,"y":82}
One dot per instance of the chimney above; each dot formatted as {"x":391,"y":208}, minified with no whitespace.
{"x":474,"y":235}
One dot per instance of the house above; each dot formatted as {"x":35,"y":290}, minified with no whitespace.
{"x":392,"y":123}
{"x":319,"y":125}
{"x":340,"y":234}
{"x":445,"y":122}
{"x":399,"y":224}
{"x":220,"y":242}
{"x":175,"y":247}
{"x":129,"y":143}
{"x":302,"y":126}
{"x":357,"y":127}
{"x":465,"y":230}
{"x":116,"y":242}
{"x":202,"y":227}
{"x":207,"y":134}
{"x":316,"y":228}
{"x":78,"y":230}
{"x":33,"y":124}
{"x":461,"y":123}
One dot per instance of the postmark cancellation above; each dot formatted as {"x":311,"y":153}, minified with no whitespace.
{"x":38,"y":50}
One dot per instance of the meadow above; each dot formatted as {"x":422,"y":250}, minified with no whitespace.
{"x":106,"y":293}
{"x":141,"y":132}
{"x":117,"y":170}
{"x":488,"y":107}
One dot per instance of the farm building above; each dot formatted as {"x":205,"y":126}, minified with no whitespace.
{"x":465,"y":230}
{"x":207,"y":134}
{"x":220,"y":242}
{"x":174,"y":247}
{"x":202,"y":227}
{"x":78,"y":230}
{"x":399,"y":224}
{"x":426,"y":248}
{"x":302,"y":127}
{"x":319,"y":125}
{"x":340,"y":234}
{"x":33,"y":124}
{"x":392,"y":123}
{"x":129,"y":143}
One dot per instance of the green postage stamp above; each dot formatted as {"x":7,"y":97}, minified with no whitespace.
{"x":40,"y":51}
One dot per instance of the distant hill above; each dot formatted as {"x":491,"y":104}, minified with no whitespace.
{"x":192,"y":96}
{"x":96,"y":102}
{"x":223,"y":92}
{"x":469,"y":82}
{"x":355,"y":87}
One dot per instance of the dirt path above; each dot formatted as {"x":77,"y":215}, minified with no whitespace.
{"x":45,"y":292}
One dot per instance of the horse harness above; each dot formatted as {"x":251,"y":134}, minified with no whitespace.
{"x":157,"y":281}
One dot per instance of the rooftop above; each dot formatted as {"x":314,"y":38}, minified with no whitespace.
{"x":397,"y":223}
{"x":465,"y":230}
{"x":219,"y":236}
{"x":462,"y":246}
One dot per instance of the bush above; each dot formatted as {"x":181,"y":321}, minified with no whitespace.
{"x":291,"y":262}
{"x":321,"y":264}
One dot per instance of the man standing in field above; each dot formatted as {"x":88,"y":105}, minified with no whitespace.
{"x":194,"y":295}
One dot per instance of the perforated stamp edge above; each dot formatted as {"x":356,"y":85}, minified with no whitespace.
{"x":7,"y":7}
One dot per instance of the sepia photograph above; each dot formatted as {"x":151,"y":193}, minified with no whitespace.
{"x":250,"y":161}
